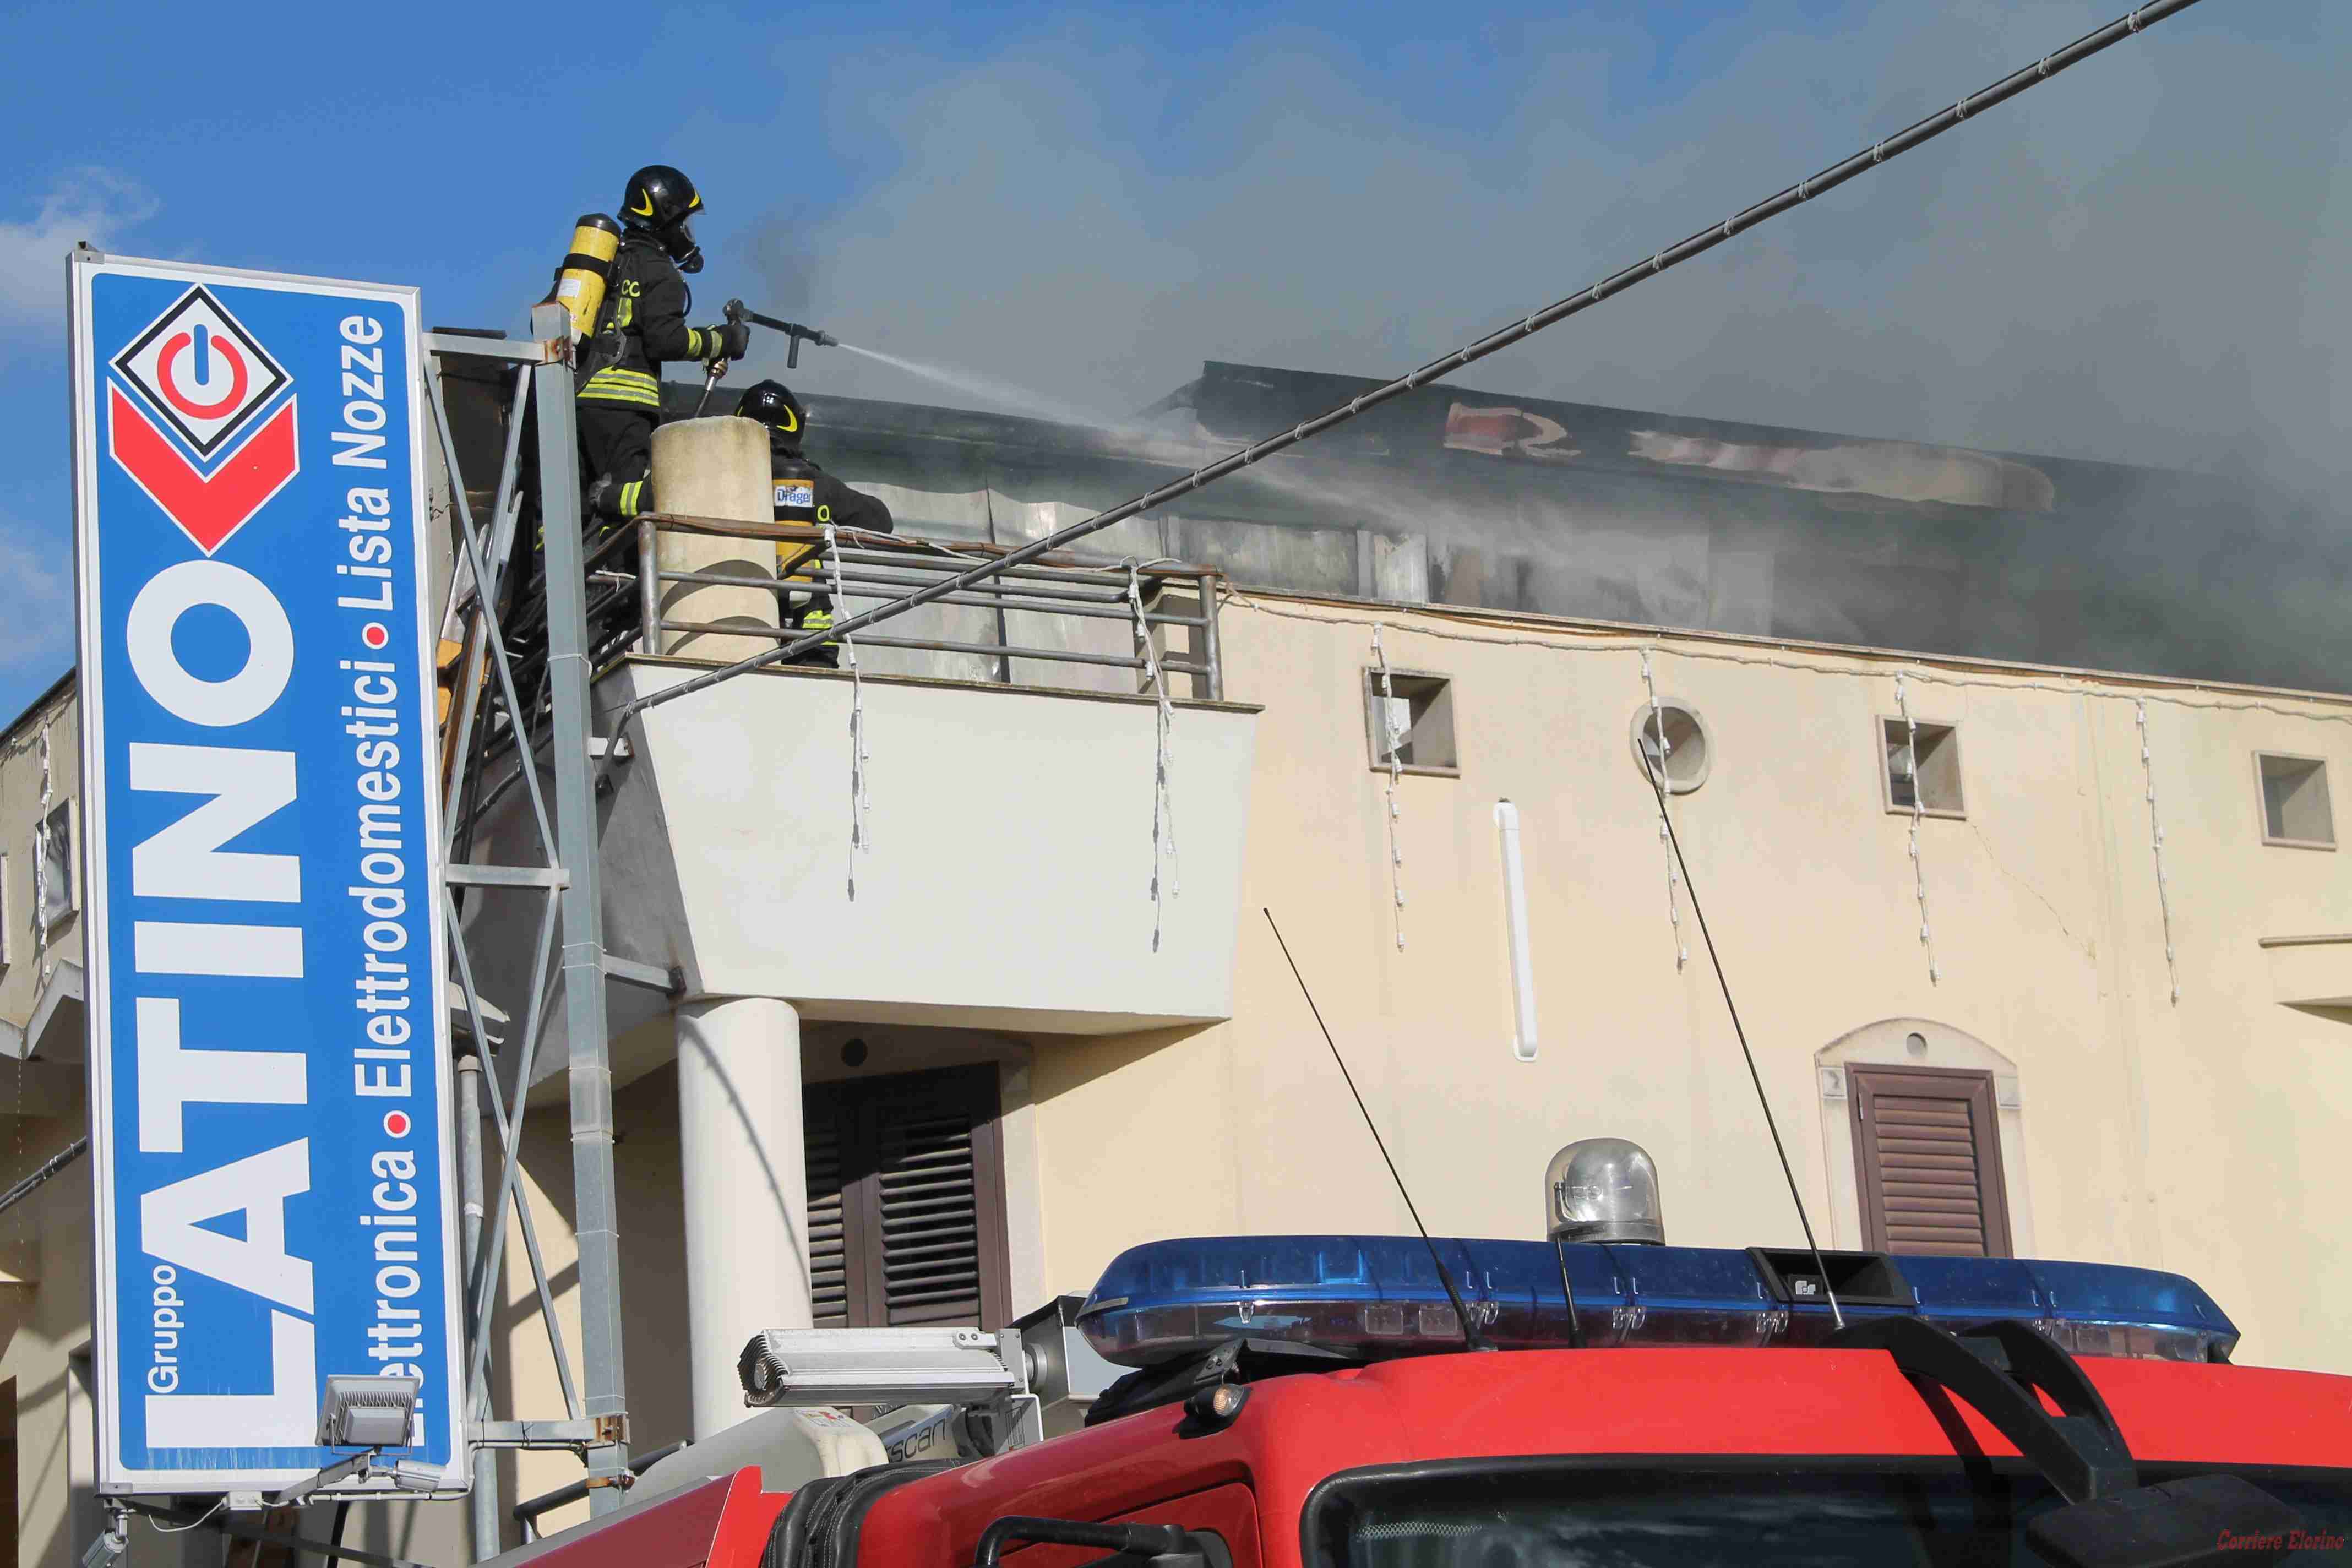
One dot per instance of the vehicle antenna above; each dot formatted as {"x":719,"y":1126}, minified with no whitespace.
{"x":1471,"y":1338}
{"x":1651,"y":770}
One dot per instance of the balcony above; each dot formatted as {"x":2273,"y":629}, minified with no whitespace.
{"x":1010,"y":754}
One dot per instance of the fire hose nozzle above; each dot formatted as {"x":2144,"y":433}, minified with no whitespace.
{"x":793,"y":330}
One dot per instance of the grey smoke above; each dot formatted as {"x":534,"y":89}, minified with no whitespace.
{"x":2142,"y":262}
{"x":780,"y":250}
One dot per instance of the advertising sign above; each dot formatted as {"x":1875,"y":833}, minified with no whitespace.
{"x":269,"y":1087}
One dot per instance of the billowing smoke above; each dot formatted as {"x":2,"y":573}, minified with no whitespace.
{"x":2141,"y":262}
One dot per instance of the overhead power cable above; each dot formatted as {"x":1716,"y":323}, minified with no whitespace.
{"x":1705,"y":240}
{"x":49,"y":1168}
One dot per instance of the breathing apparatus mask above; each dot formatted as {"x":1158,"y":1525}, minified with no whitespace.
{"x":677,"y":242}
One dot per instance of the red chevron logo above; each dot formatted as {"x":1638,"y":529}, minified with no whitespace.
{"x":208,"y":507}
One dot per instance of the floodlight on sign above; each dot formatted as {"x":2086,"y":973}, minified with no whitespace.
{"x":367,"y":1411}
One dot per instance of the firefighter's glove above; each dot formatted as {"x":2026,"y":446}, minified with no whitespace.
{"x":725,"y":343}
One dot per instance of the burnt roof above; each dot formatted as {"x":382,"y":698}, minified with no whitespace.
{"x":1503,"y":501}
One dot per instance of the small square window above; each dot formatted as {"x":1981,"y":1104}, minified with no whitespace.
{"x":2296,"y":808}
{"x":1414,"y":714}
{"x":56,"y":866}
{"x":1921,"y":767}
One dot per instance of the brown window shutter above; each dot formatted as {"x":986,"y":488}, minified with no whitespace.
{"x":1928,"y":1144}
{"x":907,"y":1201}
{"x":827,"y":1146}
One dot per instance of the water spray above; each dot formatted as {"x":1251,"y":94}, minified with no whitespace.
{"x":1030,"y":402}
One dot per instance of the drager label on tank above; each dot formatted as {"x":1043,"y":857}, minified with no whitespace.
{"x":801,"y":493}
{"x":263,"y":934}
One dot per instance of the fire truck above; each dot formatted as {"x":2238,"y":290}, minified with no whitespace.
{"x":1595,"y":1398}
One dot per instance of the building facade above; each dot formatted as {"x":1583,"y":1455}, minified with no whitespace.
{"x":2031,"y":959}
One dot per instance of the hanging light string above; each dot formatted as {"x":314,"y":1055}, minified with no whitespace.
{"x":1487,"y":630}
{"x":861,"y":838}
{"x":1393,"y":734}
{"x":2156,"y":843}
{"x":1918,"y":868}
{"x":1658,"y":762}
{"x":41,"y":864}
{"x":1163,"y":802}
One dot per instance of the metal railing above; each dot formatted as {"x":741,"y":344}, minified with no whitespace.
{"x":858,"y":567}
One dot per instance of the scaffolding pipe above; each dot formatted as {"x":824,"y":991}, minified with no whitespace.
{"x":942,"y":645}
{"x":1016,"y":581}
{"x":1705,"y":240}
{"x":649,"y":582}
{"x":1099,"y":577}
{"x":595,"y":1197}
{"x":886,"y":548}
{"x":855,"y":570}
{"x":855,"y":586}
{"x":851,"y":589}
{"x":474,"y":672}
{"x":484,"y":1500}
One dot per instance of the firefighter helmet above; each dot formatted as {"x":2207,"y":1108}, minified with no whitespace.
{"x":663,"y":200}
{"x":772,"y":404}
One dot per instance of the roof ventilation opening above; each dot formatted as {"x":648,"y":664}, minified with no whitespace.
{"x":1686,"y":752}
{"x":2296,"y":808}
{"x":1922,"y":771}
{"x":1416,"y":708}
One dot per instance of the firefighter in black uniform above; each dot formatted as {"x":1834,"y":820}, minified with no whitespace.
{"x":807,"y":495}
{"x":641,"y":326}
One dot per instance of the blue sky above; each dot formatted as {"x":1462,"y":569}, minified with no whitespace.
{"x":2143,"y":262}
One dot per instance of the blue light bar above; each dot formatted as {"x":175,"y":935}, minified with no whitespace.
{"x":1380,"y":1295}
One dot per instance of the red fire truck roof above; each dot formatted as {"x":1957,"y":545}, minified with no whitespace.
{"x":1294,"y":1432}
{"x":1250,"y":1481}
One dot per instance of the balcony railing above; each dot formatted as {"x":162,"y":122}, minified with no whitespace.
{"x":1057,"y":611}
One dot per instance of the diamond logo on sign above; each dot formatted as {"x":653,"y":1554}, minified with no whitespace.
{"x":208,"y":380}
{"x":200,"y":370}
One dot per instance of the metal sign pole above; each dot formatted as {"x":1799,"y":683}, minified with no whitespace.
{"x":484,"y":1502}
{"x":595,"y":1216}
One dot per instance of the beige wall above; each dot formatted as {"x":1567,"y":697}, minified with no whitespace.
{"x":21,"y":749}
{"x":2205,"y":1137}
{"x":44,"y":1240}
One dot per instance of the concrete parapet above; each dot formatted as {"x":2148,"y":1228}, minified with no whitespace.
{"x":717,"y":469}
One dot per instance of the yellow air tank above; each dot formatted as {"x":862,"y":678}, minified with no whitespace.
{"x":581,"y":279}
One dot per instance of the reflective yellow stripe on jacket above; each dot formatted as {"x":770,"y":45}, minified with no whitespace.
{"x":613,"y":385}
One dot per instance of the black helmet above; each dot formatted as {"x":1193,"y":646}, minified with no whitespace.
{"x":663,"y":200}
{"x":771,"y":402}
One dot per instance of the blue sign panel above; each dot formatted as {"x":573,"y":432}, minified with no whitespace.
{"x":269,"y":1085}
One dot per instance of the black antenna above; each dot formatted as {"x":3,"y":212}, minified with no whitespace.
{"x":1575,"y":1330}
{"x":1471,"y":1338}
{"x":1652,"y":768}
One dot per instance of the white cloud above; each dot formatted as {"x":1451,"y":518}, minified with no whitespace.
{"x":92,"y":204}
